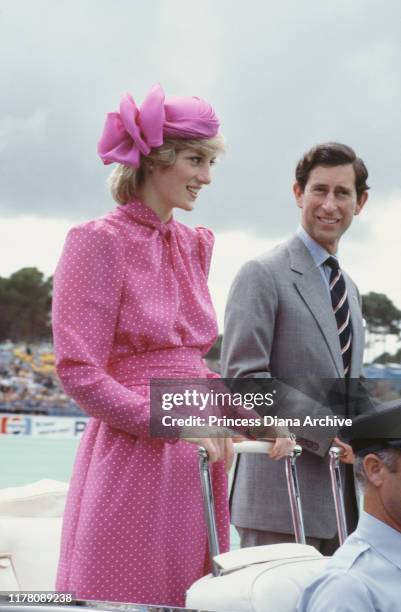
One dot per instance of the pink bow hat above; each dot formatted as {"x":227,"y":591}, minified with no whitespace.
{"x":133,"y":130}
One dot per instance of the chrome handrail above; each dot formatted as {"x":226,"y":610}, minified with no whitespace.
{"x":294,"y":494}
{"x":336,"y":486}
{"x":208,"y":502}
{"x":260,"y":447}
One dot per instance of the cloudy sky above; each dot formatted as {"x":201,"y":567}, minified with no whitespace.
{"x":282,"y":77}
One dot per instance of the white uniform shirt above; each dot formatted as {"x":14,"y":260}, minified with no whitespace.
{"x":364,"y":575}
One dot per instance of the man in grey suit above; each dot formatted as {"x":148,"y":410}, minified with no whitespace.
{"x":284,"y":319}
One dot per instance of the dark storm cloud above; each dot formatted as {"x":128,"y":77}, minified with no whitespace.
{"x":282,"y":76}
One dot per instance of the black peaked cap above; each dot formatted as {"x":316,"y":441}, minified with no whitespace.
{"x":373,"y":432}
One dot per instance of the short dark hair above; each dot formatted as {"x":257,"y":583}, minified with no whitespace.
{"x":332,"y":154}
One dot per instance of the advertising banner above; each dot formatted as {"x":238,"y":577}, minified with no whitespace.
{"x":42,"y":426}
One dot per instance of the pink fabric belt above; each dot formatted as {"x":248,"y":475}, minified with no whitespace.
{"x":165,"y":363}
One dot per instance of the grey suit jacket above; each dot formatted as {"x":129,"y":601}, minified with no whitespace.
{"x":279,"y":322}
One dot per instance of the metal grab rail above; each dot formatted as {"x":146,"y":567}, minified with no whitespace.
{"x":338,"y":495}
{"x":294,"y":495}
{"x":208,"y":504}
{"x":258,"y":447}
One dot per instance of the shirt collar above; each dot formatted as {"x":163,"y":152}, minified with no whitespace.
{"x":144,"y":215}
{"x":383,"y":538}
{"x":317,"y":252}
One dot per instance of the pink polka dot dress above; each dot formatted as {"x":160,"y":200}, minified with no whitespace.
{"x":131,"y":303}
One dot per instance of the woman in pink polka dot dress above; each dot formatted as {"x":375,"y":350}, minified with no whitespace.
{"x":131,"y":303}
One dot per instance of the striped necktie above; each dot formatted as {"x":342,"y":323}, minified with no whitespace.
{"x":339,"y":300}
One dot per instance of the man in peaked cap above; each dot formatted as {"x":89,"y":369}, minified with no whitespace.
{"x":365,"y":572}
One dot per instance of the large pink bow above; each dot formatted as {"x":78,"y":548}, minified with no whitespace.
{"x":133,"y":131}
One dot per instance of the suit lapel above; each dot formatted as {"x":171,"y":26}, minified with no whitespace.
{"x":310,"y":286}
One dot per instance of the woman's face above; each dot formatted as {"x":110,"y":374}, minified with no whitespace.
{"x":179,"y":185}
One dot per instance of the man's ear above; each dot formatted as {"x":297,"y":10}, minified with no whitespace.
{"x":361,"y":202}
{"x":374,"y":469}
{"x":298,"y":193}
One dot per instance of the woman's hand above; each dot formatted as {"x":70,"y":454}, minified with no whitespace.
{"x":218,"y":449}
{"x":282,"y":447}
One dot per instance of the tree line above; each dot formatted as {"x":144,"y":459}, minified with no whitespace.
{"x":25,"y":305}
{"x":25,"y":311}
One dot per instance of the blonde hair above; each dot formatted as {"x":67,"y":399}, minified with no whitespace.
{"x":124,"y":181}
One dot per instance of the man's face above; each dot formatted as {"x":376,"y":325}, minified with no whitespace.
{"x":329,"y":203}
{"x":383,"y":496}
{"x":391,"y":496}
